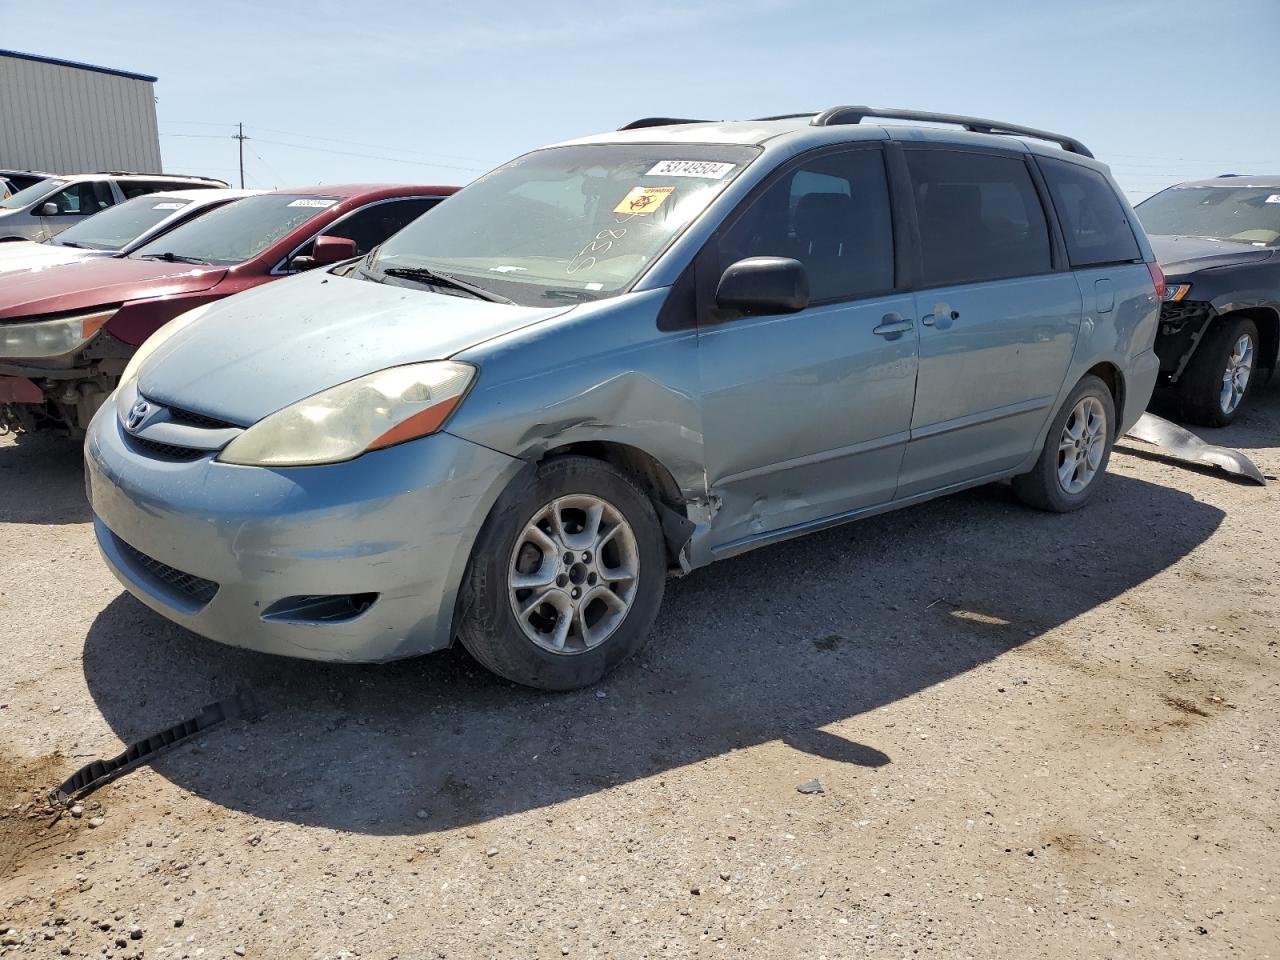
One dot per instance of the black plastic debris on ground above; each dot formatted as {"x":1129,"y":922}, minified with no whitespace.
{"x":98,"y":773}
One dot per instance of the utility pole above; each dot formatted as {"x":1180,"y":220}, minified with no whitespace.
{"x":242,"y":138}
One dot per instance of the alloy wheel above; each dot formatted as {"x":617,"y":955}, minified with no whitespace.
{"x":573,"y":573}
{"x":1082,"y":445}
{"x":1235,"y":378}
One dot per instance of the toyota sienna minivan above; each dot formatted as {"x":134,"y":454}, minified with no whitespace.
{"x":619,"y":358}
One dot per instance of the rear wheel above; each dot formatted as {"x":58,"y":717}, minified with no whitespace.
{"x":1214,"y":386}
{"x":566,"y":576}
{"x":1076,"y":451}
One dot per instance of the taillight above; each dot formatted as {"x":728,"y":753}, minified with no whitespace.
{"x":1157,"y":277}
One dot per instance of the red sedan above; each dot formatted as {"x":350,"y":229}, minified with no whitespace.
{"x":67,"y":332}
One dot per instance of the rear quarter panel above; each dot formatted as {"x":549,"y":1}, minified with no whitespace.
{"x":1123,"y":336}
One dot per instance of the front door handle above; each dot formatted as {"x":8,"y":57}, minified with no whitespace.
{"x":892,"y":326}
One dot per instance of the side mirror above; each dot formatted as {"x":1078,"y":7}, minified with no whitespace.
{"x":324,"y":251}
{"x":49,"y":209}
{"x":764,"y":285}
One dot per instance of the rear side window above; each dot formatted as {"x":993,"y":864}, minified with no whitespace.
{"x":830,"y":213}
{"x":1096,"y":226}
{"x":980,"y":217}
{"x":139,"y":188}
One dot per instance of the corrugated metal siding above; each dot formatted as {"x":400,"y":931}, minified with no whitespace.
{"x":67,"y":120}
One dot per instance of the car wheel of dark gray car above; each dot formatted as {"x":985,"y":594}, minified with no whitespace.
{"x":1076,"y":450}
{"x":1217,"y":380}
{"x":566,"y":576}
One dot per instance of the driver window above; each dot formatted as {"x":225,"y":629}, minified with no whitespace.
{"x":371,"y":225}
{"x":81,"y":199}
{"x":832,"y":214}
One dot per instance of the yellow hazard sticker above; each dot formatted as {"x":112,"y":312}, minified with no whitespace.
{"x":643,"y":199}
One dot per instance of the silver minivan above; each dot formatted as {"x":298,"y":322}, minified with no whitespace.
{"x":619,"y":358}
{"x":48,"y":207}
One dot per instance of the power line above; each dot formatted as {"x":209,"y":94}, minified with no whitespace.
{"x":369,"y":156}
{"x":354,"y":143}
{"x":374,"y":146}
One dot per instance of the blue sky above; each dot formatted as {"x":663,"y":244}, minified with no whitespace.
{"x":439,"y":92}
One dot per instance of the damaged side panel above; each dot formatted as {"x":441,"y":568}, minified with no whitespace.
{"x":626,"y":383}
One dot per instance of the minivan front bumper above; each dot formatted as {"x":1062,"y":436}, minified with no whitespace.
{"x":247,"y":556}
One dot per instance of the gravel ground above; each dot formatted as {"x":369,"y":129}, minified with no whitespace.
{"x":1035,"y":736}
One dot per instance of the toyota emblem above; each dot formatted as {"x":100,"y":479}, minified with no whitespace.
{"x":137,"y":414}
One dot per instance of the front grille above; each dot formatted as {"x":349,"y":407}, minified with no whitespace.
{"x":166,"y":451}
{"x":178,"y":415}
{"x":183,"y":418}
{"x":196,"y":589}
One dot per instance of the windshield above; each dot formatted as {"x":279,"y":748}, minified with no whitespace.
{"x":37,"y":191}
{"x":568,"y":223}
{"x":118,"y":226}
{"x":1244,"y":214}
{"x":238,"y":231}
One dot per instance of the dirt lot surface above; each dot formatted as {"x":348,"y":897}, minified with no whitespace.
{"x":1038,"y":736}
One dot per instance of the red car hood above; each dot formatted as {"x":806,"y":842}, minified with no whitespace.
{"x":93,"y":283}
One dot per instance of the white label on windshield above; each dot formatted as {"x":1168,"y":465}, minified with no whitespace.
{"x":313,"y":202}
{"x":707,"y":169}
{"x":1274,"y":198}
{"x":168,"y":206}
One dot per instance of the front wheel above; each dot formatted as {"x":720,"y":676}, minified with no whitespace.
{"x":1076,"y":451}
{"x":1217,"y":380}
{"x":566,"y":577}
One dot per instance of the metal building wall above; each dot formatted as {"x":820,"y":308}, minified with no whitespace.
{"x":67,"y":119}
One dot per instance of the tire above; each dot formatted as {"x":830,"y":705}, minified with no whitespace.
{"x":1203,"y":387}
{"x":1044,"y":487}
{"x":596,"y":632}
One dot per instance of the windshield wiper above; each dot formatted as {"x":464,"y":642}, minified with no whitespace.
{"x":68,"y":243}
{"x":577,"y":296}
{"x":423,"y":275}
{"x":170,"y":257}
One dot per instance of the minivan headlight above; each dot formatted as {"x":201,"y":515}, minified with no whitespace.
{"x":158,"y":338}
{"x":40,"y":339}
{"x":369,"y":413}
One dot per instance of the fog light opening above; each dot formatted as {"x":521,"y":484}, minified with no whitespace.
{"x":320,"y":608}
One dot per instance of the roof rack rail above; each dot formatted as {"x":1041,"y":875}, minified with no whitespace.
{"x":144,"y":173}
{"x":658,"y":122}
{"x":839,"y":115}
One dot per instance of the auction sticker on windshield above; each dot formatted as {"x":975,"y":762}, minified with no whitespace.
{"x":707,"y":169}
{"x":313,"y":202}
{"x":169,"y":206}
{"x":643,"y":199}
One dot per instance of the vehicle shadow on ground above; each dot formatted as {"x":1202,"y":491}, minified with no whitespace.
{"x":772,"y":645}
{"x":42,"y":480}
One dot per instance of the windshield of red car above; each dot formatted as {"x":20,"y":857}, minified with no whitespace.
{"x":239,"y":231}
